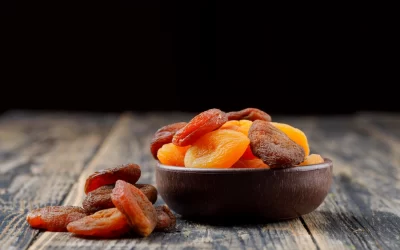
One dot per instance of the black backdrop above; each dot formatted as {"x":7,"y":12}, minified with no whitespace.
{"x":193,"y":56}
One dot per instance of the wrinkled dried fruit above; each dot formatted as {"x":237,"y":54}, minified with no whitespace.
{"x":149,"y":190}
{"x":217,"y":149}
{"x":170,"y":154}
{"x":129,"y":173}
{"x":251,"y":114}
{"x":254,"y":163}
{"x":141,"y":214}
{"x":312,"y":159}
{"x":295,"y":134}
{"x":98,"y":199}
{"x":199,"y":125}
{"x":54,"y":218}
{"x":107,"y":223}
{"x":273,"y":146}
{"x":163,"y":136}
{"x":166,"y":220}
{"x":242,"y":126}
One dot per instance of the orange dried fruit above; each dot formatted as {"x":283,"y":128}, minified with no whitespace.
{"x":54,"y":218}
{"x":199,"y":125}
{"x":170,"y":154}
{"x":251,"y":114}
{"x":129,"y":172}
{"x":163,"y":136}
{"x":106,"y":223}
{"x":166,"y":220}
{"x":242,"y":126}
{"x":273,"y":146}
{"x":141,"y":214}
{"x":217,"y":149}
{"x":254,"y":163}
{"x":149,"y":190}
{"x":312,"y":159}
{"x":295,"y":134}
{"x":98,"y":199}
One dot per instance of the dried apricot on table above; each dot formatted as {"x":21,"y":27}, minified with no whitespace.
{"x":199,"y":125}
{"x":170,"y":154}
{"x":149,"y":190}
{"x":242,"y":126}
{"x":251,"y":114}
{"x":163,"y":136}
{"x":254,"y":163}
{"x":295,"y":134}
{"x":166,"y":220}
{"x":273,"y":146}
{"x":98,"y":199}
{"x":129,"y":172}
{"x":141,"y":214}
{"x":312,"y":159}
{"x":54,"y":218}
{"x":217,"y":149}
{"x":106,"y":223}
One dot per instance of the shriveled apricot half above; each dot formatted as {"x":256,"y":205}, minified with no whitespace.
{"x":242,"y":126}
{"x":106,"y":223}
{"x":295,"y":135}
{"x":170,"y":154}
{"x":312,"y":159}
{"x":54,"y":218}
{"x":141,"y":214}
{"x":217,"y":149}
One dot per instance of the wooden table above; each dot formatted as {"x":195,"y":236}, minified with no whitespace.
{"x":45,"y":158}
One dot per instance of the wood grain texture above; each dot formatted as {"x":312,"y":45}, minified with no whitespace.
{"x":41,"y":155}
{"x":362,"y":210}
{"x":129,"y":142}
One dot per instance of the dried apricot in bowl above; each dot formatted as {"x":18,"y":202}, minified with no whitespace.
{"x":170,"y":154}
{"x":273,"y":146}
{"x":295,"y":134}
{"x":217,"y":149}
{"x":312,"y":159}
{"x":199,"y":125}
{"x":163,"y":136}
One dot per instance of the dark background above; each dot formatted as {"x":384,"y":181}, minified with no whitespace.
{"x":193,"y":56}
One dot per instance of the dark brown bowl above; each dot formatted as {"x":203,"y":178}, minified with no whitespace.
{"x":271,"y":194}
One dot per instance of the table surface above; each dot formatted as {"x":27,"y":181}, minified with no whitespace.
{"x":45,"y":158}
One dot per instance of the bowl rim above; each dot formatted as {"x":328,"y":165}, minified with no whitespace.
{"x":327,"y":163}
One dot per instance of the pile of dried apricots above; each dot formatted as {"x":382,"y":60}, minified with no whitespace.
{"x":114,"y":206}
{"x":239,"y":139}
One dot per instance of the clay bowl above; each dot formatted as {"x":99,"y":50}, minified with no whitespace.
{"x":270,"y":194}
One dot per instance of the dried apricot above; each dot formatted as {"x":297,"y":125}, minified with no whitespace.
{"x":106,"y":223}
{"x":98,"y":199}
{"x":242,"y":126}
{"x":149,"y":190}
{"x":163,"y":136}
{"x":141,"y":214}
{"x":199,"y":125}
{"x":295,"y":134}
{"x":312,"y":159}
{"x":217,"y":149}
{"x":129,"y":173}
{"x":251,"y":114}
{"x":273,"y":146}
{"x":254,"y":163}
{"x":54,"y":218}
{"x":166,"y":220}
{"x":170,"y":154}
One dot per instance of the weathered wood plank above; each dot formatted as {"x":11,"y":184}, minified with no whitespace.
{"x":362,"y":210}
{"x":129,"y":142}
{"x":41,"y":155}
